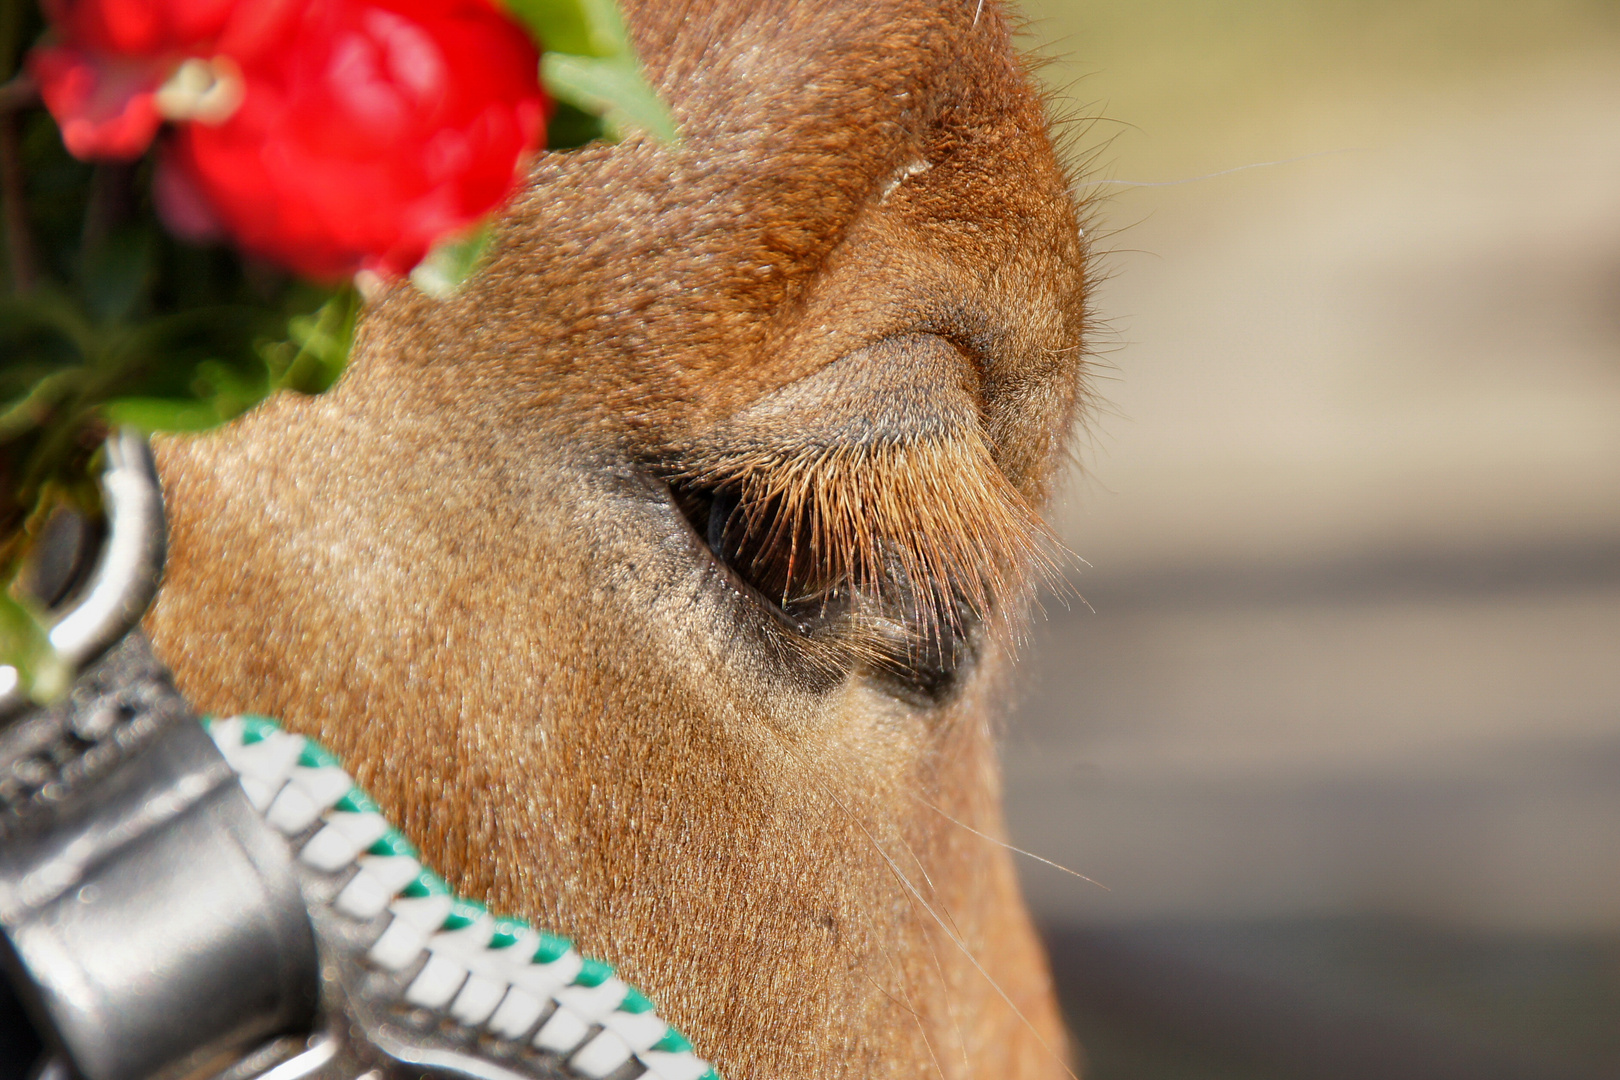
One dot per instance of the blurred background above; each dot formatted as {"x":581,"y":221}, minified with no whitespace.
{"x":1337,"y":723}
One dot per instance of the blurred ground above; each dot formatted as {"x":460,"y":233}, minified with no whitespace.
{"x":1350,"y":694}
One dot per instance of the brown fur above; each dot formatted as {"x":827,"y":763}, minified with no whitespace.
{"x":465,"y":571}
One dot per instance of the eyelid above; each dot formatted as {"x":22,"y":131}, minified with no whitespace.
{"x":901,"y":389}
{"x":865,"y":500}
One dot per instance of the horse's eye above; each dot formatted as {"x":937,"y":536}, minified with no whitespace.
{"x":865,"y":505}
{"x":771,"y":545}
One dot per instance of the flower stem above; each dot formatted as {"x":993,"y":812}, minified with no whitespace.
{"x":17,"y":94}
{"x":20,"y":263}
{"x":13,"y":21}
{"x":109,"y":204}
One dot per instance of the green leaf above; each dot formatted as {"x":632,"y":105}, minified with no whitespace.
{"x":589,"y":61}
{"x":318,"y":349}
{"x":44,"y":326}
{"x":233,"y":390}
{"x":613,"y":88}
{"x":217,"y":392}
{"x":202,"y":354}
{"x":586,"y":27}
{"x":450,"y":263}
{"x":20,"y":416}
{"x":25,"y":644}
{"x":163,"y":414}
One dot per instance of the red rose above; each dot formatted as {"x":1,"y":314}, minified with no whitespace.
{"x":380,"y":128}
{"x":327,"y":135}
{"x":100,"y":80}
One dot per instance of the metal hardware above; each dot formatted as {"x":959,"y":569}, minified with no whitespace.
{"x":151,"y":920}
{"x":127,"y":574}
{"x":155,"y":926}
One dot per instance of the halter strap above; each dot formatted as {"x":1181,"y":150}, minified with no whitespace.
{"x":221,"y":899}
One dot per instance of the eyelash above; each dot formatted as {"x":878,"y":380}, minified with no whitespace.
{"x":891,"y":555}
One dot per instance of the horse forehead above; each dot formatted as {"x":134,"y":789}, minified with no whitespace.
{"x":834,"y":96}
{"x":866,"y":154}
{"x":788,"y":48}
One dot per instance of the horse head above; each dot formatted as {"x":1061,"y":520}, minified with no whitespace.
{"x":663,"y":583}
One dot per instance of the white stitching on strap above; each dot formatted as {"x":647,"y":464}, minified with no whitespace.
{"x":495,"y":973}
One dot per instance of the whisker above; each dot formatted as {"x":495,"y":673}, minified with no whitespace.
{"x":899,"y":973}
{"x":900,"y":876}
{"x":950,"y":1002}
{"x":1011,"y":847}
{"x":916,"y":1017}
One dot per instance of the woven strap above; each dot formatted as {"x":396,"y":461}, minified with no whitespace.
{"x":494,"y":975}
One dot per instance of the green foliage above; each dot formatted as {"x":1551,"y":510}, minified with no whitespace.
{"x":104,"y":348}
{"x":589,"y":62}
{"x":317,"y":348}
{"x":450,"y":263}
{"x":581,"y":27}
{"x":562,"y":25}
{"x":26,"y":646}
{"x":108,"y":320}
{"x":572,"y":126}
{"x":613,"y":88}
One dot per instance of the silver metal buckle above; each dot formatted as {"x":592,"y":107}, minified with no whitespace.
{"x":155,"y":925}
{"x":127,"y":574}
{"x":151,"y":921}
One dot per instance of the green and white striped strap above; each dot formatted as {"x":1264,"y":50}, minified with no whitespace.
{"x":492,"y":973}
